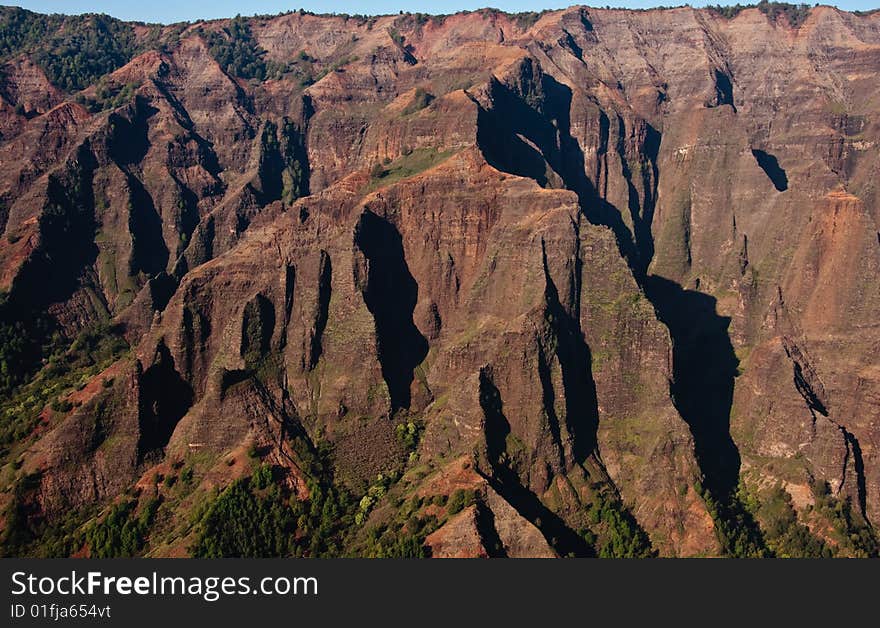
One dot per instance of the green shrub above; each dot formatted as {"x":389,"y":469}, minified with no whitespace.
{"x":62,"y":405}
{"x":420,"y":100}
{"x":785,"y":536}
{"x":795,"y":14}
{"x":396,"y":36}
{"x":186,"y":476}
{"x":735,"y":527}
{"x":407,"y":434}
{"x":395,"y":545}
{"x":73,"y":50}
{"x":850,"y":528}
{"x":728,"y":12}
{"x":527,"y":19}
{"x":263,"y":477}
{"x":236,"y":50}
{"x":241,"y":524}
{"x":459,"y":500}
{"x":616,"y":534}
{"x":108,"y":96}
{"x":121,"y":534}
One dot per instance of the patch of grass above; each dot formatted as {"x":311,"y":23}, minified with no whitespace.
{"x":419,"y":160}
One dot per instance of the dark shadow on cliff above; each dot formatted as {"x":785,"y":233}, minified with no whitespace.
{"x":128,"y":132}
{"x":546,"y":124}
{"x":149,"y":253}
{"x":770,"y":165}
{"x":322,"y":309}
{"x":390,"y":293}
{"x":67,"y":232}
{"x":506,"y":151}
{"x":576,"y":364}
{"x":164,"y":398}
{"x":485,"y":521}
{"x":704,"y":367}
{"x":506,"y":482}
{"x":704,"y":362}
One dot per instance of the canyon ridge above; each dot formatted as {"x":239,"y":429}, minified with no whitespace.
{"x":587,"y":282}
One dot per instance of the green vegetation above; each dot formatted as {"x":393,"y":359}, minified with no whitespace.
{"x":735,"y":527}
{"x":73,"y":50}
{"x":92,"y":351}
{"x":24,"y":537}
{"x":795,"y":14}
{"x":403,"y":536}
{"x":387,"y":543}
{"x":729,"y":12}
{"x":615,"y":532}
{"x":247,"y":524}
{"x":418,"y":160}
{"x":784,"y":535}
{"x":108,"y":96}
{"x":420,"y":100}
{"x":260,"y":517}
{"x":237,"y":51}
{"x":850,"y":529}
{"x":239,"y":54}
{"x":459,"y":500}
{"x":408,"y":434}
{"x":23,"y":341}
{"x":781,"y":534}
{"x":121,"y":533}
{"x":527,"y":19}
{"x":375,"y":493}
{"x":396,"y":36}
{"x":263,"y":477}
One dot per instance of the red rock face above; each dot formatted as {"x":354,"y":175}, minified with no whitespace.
{"x":630,"y":254}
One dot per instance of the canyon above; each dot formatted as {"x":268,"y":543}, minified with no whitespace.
{"x":589,"y":282}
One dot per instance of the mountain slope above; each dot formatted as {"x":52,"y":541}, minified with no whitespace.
{"x":589,"y":282}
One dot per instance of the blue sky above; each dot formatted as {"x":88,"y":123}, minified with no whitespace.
{"x":179,"y":10}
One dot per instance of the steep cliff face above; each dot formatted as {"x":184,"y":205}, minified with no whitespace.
{"x":596,"y":283}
